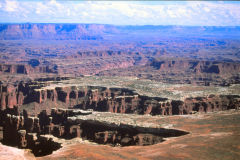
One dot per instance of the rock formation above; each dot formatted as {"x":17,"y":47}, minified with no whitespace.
{"x":28,"y":132}
{"x":51,"y":31}
{"x":116,"y":100}
{"x":184,"y":71}
{"x":25,"y":69}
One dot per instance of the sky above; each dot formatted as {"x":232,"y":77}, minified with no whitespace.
{"x":193,"y":13}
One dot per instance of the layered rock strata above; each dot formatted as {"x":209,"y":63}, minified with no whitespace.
{"x":50,"y":31}
{"x":177,"y":71}
{"x":26,"y":69}
{"x":27,"y":132}
{"x":116,"y":100}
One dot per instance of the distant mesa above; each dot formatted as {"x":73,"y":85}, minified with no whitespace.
{"x":51,"y":31}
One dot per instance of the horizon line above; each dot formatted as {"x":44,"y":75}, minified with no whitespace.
{"x":119,"y":24}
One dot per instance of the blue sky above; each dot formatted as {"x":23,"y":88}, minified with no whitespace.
{"x":201,"y":13}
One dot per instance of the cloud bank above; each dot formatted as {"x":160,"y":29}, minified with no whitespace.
{"x":122,"y":12}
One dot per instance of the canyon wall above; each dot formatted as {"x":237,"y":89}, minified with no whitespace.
{"x":26,"y":69}
{"x":196,"y":66}
{"x":196,"y":72}
{"x":28,"y":132}
{"x":57,"y":31}
{"x":116,"y":100}
{"x":51,"y":31}
{"x":169,"y":71}
{"x":184,"y":71}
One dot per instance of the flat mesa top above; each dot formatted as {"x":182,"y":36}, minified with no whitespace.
{"x":122,"y":119}
{"x":148,"y":87}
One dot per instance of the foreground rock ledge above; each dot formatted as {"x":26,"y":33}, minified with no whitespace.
{"x":100,"y":127}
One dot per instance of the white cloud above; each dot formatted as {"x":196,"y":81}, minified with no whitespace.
{"x":206,"y":9}
{"x":40,"y":8}
{"x":159,"y":13}
{"x":11,"y":6}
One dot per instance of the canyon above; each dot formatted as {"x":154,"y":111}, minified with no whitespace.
{"x":182,"y":71}
{"x":28,"y":132}
{"x":110,"y":99}
{"x":40,"y":48}
{"x":93,"y":113}
{"x":96,"y":91}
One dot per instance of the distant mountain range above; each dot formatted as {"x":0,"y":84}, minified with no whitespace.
{"x":50,"y":31}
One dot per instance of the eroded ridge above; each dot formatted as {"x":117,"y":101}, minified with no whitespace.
{"x":171,"y":101}
{"x":28,"y":132}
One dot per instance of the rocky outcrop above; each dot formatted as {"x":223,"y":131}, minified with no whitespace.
{"x":11,"y":95}
{"x":19,"y":130}
{"x":116,"y":100}
{"x":196,"y":66}
{"x":52,"y":31}
{"x":8,"y":68}
{"x":120,"y":100}
{"x":184,"y":71}
{"x":28,"y":132}
{"x":25,"y":69}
